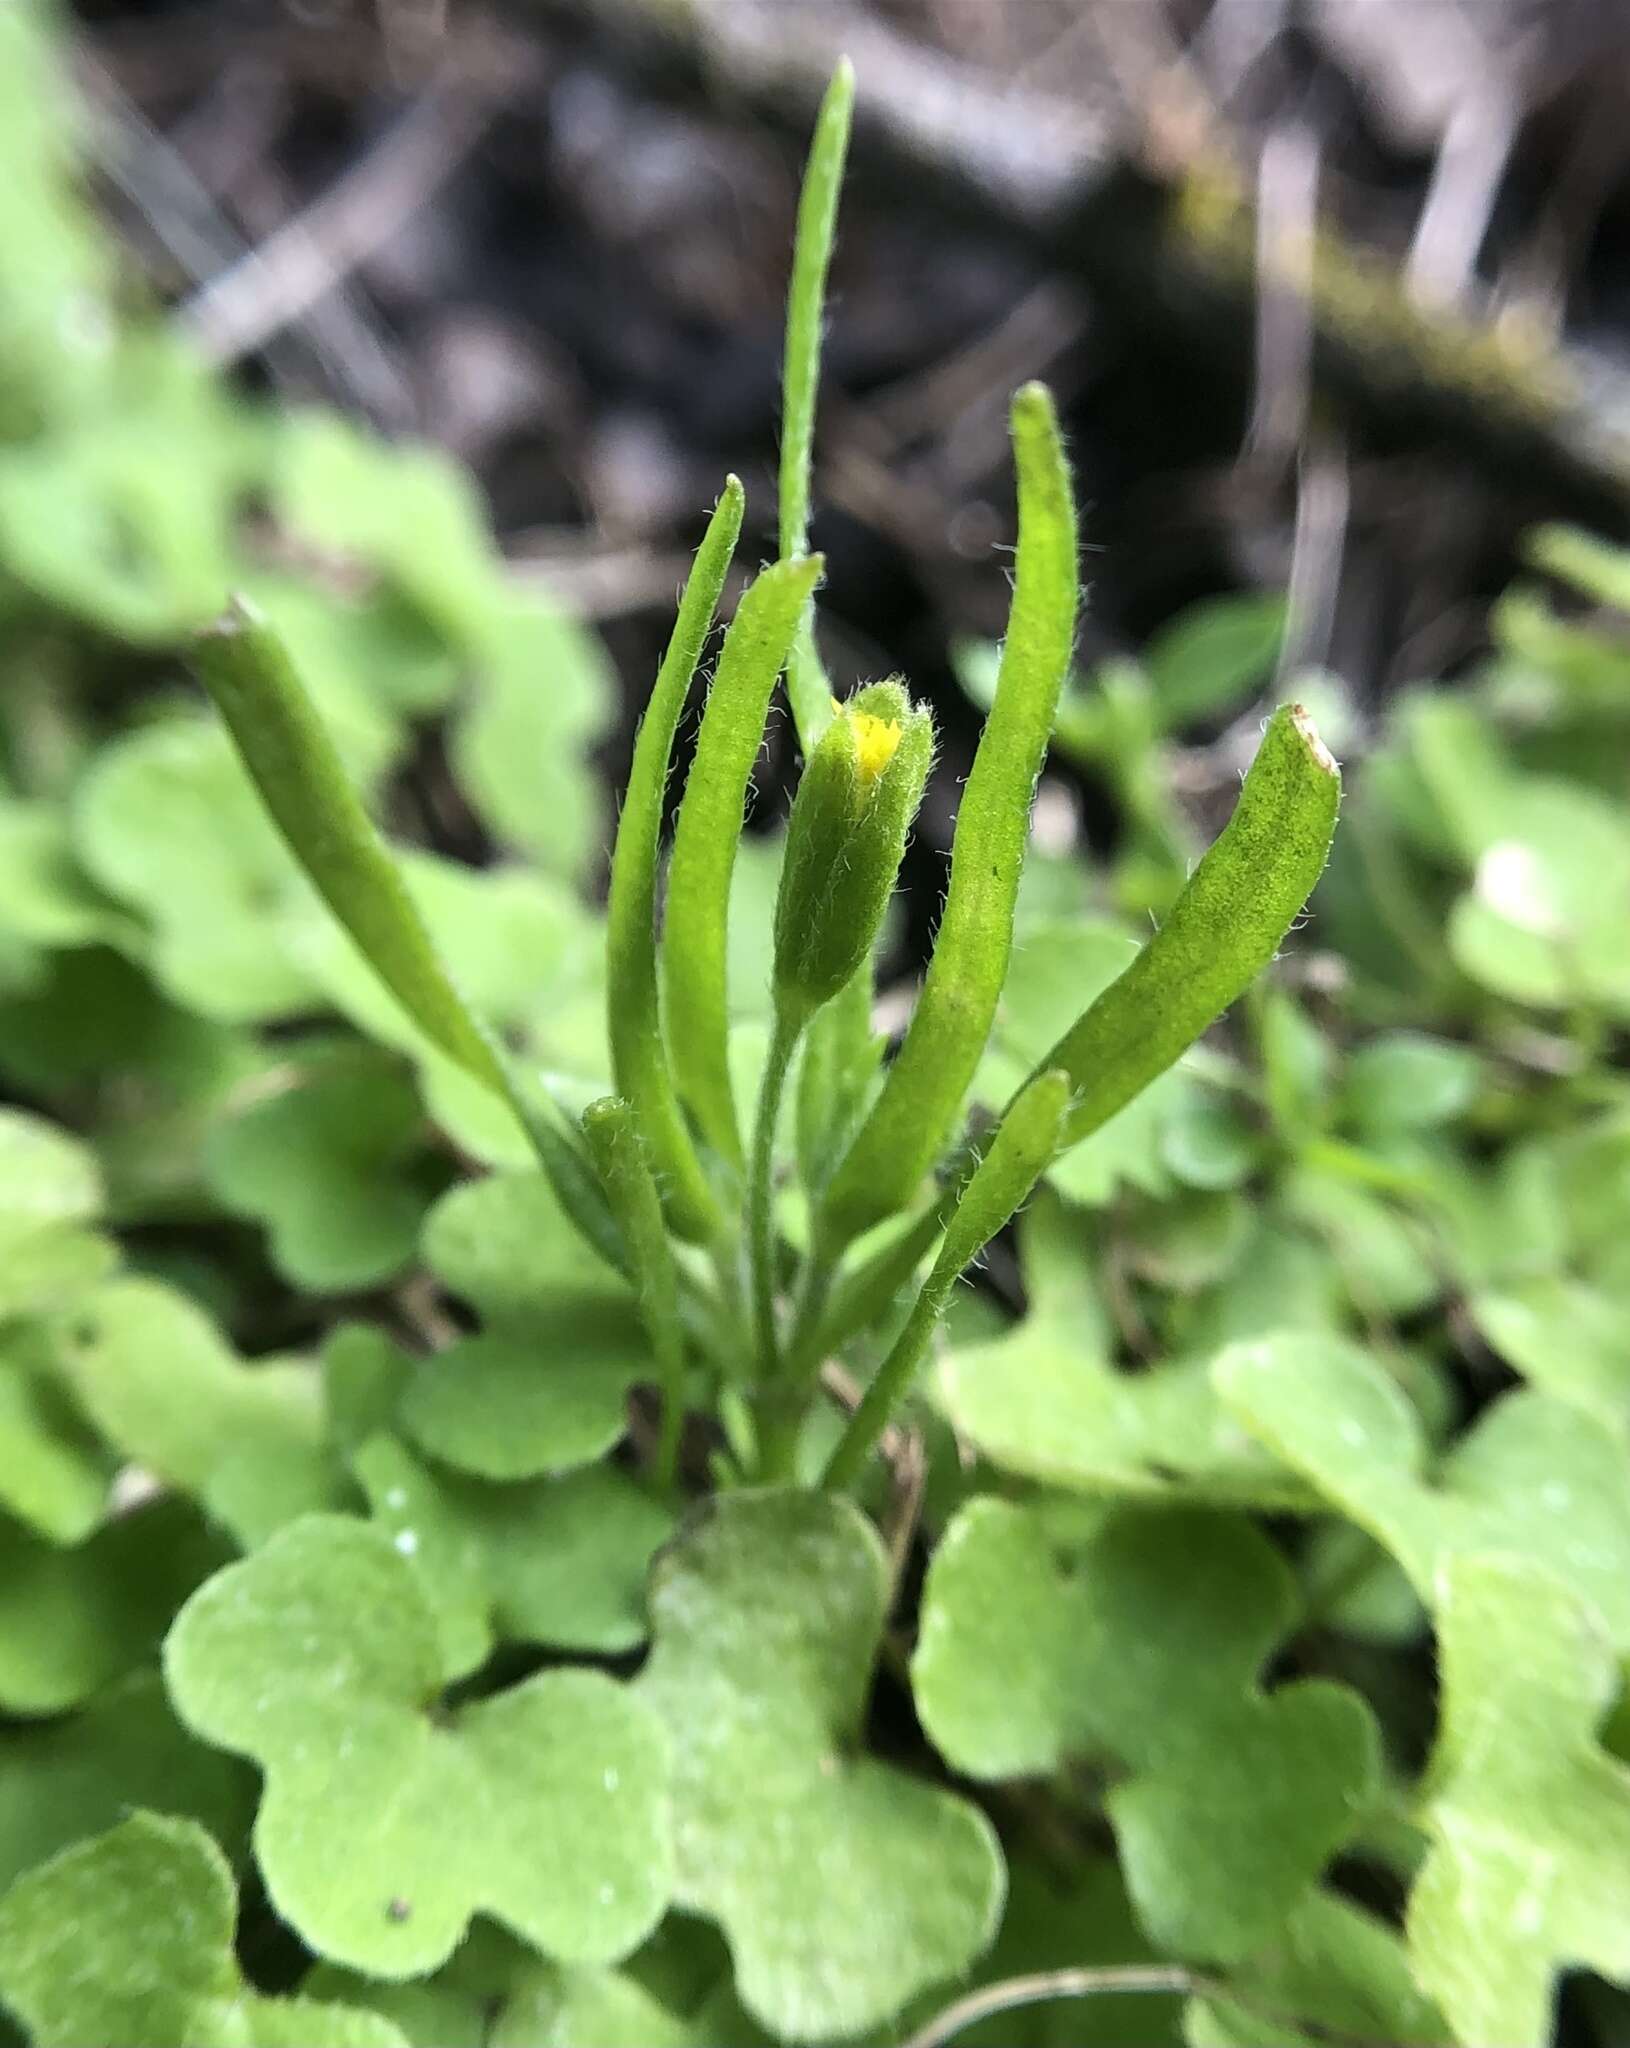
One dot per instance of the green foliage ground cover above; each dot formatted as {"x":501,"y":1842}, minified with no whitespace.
{"x":511,"y":1532}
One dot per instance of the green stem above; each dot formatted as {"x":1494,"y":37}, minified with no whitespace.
{"x":888,"y":1386}
{"x":734,"y":1350}
{"x":760,"y":1190}
{"x":617,"y":1146}
{"x":780,"y":1422}
{"x":814,"y":1287}
{"x":670,"y":1430}
{"x":1024,"y":1142}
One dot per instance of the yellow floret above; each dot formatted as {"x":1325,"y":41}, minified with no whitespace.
{"x":876,"y":740}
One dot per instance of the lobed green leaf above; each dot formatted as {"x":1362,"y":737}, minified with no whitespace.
{"x":160,"y":1382}
{"x":72,"y":1621}
{"x":128,"y":1939}
{"x":332,"y":1165}
{"x":1142,"y":1653}
{"x":559,"y":1561}
{"x":320,"y":1658}
{"x":1534,"y":1476}
{"x":842,"y":1886}
{"x":77,"y":1774}
{"x":1529,"y":1869}
{"x":1046,"y":1400}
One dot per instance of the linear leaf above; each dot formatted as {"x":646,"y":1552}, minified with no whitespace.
{"x":291,"y":760}
{"x":639,"y":1063}
{"x":1223,"y":930}
{"x":801,"y":372}
{"x":246,"y":670}
{"x":928,"y":1080}
{"x":705,"y":839}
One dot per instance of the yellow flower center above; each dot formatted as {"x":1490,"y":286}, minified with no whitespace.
{"x":876,"y":740}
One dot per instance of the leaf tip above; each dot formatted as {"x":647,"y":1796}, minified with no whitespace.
{"x":1308,"y":732}
{"x":1033,"y":405}
{"x":241,"y":615}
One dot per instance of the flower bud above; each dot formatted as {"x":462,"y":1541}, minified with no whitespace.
{"x":860,"y":790}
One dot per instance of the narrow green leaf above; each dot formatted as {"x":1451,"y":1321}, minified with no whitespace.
{"x":1024,"y":1143}
{"x":291,"y":759}
{"x":704,"y":855}
{"x":618,"y":1151}
{"x":1223,"y":930}
{"x":924,"y":1089}
{"x":761,"y":1238}
{"x":864,"y":1294}
{"x":639,"y":1065}
{"x":811,"y":257}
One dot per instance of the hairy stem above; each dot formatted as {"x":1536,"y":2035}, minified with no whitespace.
{"x":1024,"y":1143}
{"x":760,"y":1192}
